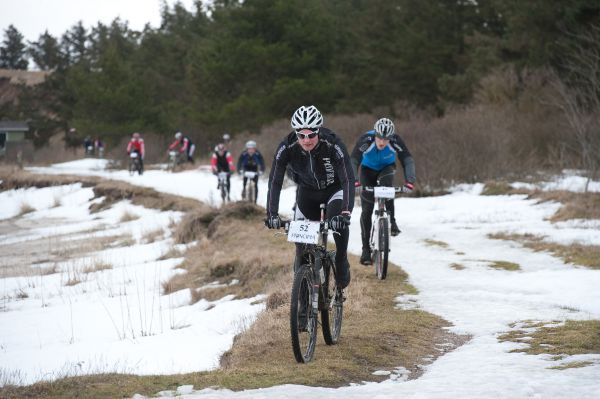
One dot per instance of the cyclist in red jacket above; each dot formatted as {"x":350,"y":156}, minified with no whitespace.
{"x":184,"y":145}
{"x":136,"y":144}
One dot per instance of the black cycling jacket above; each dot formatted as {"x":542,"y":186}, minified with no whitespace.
{"x":328,"y":164}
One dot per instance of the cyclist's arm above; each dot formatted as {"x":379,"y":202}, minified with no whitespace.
{"x":240,"y":162}
{"x":357,"y":154}
{"x":230,"y":162}
{"x":213,"y":162}
{"x":406,"y":159}
{"x":346,"y":176}
{"x":261,"y":162}
{"x":280,"y":162}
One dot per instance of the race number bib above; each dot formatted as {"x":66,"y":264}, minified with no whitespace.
{"x":384,"y":192}
{"x":249,"y":175}
{"x":303,"y":231}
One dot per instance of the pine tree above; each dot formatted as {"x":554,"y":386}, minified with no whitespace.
{"x":13,"y":53}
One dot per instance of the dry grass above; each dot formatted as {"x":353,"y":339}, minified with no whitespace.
{"x":574,"y":205}
{"x":25,"y":208}
{"x":436,"y":243}
{"x":128,"y":216}
{"x":96,"y":267}
{"x":457,"y":266}
{"x":152,"y":236}
{"x":584,"y":255}
{"x":504,"y":265}
{"x":499,"y":187}
{"x":574,"y":337}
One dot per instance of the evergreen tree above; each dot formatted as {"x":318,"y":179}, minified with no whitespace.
{"x":13,"y":54}
{"x":46,"y":52}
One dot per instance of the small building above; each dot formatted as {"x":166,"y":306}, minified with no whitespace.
{"x":15,"y":146}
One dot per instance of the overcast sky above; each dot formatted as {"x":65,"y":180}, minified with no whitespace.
{"x":33,"y":17}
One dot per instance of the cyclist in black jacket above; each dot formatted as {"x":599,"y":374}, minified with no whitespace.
{"x":321,"y":167}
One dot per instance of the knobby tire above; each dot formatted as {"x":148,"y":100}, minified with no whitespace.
{"x":381,"y":258}
{"x":331,"y":306}
{"x":304,"y":338}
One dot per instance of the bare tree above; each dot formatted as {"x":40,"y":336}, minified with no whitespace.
{"x":578,"y":96}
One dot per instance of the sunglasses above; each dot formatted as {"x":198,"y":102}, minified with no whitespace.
{"x":311,"y":135}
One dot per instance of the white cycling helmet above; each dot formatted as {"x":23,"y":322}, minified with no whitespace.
{"x":384,"y":128}
{"x":226,"y":137}
{"x":307,"y":118}
{"x":251,"y":144}
{"x":178,"y":135}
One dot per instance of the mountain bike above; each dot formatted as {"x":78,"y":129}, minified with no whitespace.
{"x":135,"y":165}
{"x":380,"y":228}
{"x":175,"y":159}
{"x":222,"y":176}
{"x":251,"y":189}
{"x":314,"y":289}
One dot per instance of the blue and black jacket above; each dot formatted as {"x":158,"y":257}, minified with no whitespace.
{"x":367,"y":155}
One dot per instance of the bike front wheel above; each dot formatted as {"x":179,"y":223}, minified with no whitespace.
{"x":380,"y":255}
{"x":303,"y":317}
{"x":331,"y":304}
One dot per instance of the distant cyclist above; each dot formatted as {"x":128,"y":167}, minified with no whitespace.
{"x":376,"y":153}
{"x":136,"y":144}
{"x":221,"y":161}
{"x":320,"y":165}
{"x":251,"y":160}
{"x":183,"y":145}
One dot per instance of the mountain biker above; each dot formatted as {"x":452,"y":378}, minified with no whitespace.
{"x":183,"y":144}
{"x":88,"y":145}
{"x":136,"y":144}
{"x":376,"y":152}
{"x":251,"y":160}
{"x":221,"y":161}
{"x":321,"y":167}
{"x":99,"y":147}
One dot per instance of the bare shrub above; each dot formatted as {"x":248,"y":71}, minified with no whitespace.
{"x":194,"y":224}
{"x":128,"y":216}
{"x":25,"y":208}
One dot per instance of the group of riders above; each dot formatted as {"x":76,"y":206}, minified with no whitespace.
{"x":250,"y":160}
{"x":317,"y":160}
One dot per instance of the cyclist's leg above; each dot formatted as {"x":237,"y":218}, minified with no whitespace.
{"x":244,"y":182}
{"x":368,"y":178}
{"x":228,"y":183}
{"x":334,"y":207}
{"x":256,"y":188}
{"x":386,"y":178}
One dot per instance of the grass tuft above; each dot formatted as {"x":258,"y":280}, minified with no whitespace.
{"x":457,"y":266}
{"x":504,"y":265}
{"x":436,"y":243}
{"x":574,"y":337}
{"x":128,"y":216}
{"x":25,"y":208}
{"x":584,"y":255}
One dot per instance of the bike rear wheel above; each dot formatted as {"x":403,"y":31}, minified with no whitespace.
{"x":331,"y":305}
{"x":381,"y":253}
{"x":303,"y":318}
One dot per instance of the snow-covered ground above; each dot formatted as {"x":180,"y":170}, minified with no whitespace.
{"x":116,"y":319}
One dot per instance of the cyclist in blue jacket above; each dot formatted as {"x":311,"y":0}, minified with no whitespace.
{"x":376,"y":152}
{"x":251,"y":160}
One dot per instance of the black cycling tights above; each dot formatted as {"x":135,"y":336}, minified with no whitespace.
{"x":307,"y":207}
{"x":369,"y":178}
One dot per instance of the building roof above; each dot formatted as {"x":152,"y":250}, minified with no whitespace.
{"x":14,"y":126}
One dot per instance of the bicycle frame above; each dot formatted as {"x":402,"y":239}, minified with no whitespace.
{"x":311,"y":290}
